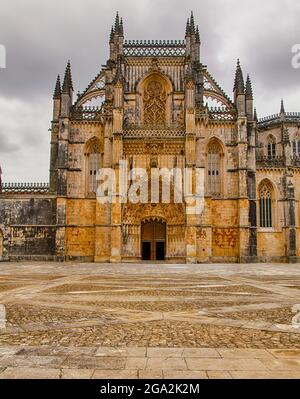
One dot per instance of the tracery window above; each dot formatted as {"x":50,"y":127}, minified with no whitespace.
{"x":296,"y":148}
{"x":93,"y":162}
{"x":271,"y":147}
{"x":214,"y":169}
{"x":155,"y":98}
{"x":266,"y":205}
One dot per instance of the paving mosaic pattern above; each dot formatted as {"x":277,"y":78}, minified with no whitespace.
{"x":61,"y":316}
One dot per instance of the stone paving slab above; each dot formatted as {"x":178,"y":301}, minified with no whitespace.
{"x":89,"y":362}
{"x":76,"y":374}
{"x":285,"y":353}
{"x":245,"y":353}
{"x":29,"y":373}
{"x":115,"y":375}
{"x":184,"y":375}
{"x":171,"y":363}
{"x":121,"y":352}
{"x":54,"y":362}
{"x":257,"y":375}
{"x":219,"y":375}
{"x":224,"y":364}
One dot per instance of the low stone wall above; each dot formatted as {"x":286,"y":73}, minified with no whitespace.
{"x":28,"y":226}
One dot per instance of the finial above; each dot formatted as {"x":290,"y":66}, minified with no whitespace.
{"x":68,"y":83}
{"x":197,"y":35}
{"x":121,"y":30}
{"x":112,"y":35}
{"x":188,"y":28}
{"x":282,"y":110}
{"x":57,"y":91}
{"x":117,"y":23}
{"x":239,"y":85}
{"x":255,"y":115}
{"x":249,"y":91}
{"x":192,"y":23}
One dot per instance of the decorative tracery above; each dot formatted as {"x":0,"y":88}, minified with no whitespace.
{"x":93,"y":162}
{"x":155,"y":98}
{"x":265,"y":202}
{"x":214,"y":168}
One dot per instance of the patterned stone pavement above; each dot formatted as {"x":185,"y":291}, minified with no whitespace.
{"x":149,"y":321}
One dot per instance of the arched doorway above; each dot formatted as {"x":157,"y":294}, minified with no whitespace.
{"x":153,"y":240}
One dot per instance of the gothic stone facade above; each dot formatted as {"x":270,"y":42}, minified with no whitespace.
{"x":155,"y":104}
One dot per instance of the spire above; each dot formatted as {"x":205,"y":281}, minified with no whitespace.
{"x":192,"y":23}
{"x":112,"y":35}
{"x":249,"y":91}
{"x":239,"y":85}
{"x":188,"y":28}
{"x":282,"y":110}
{"x":57,"y":91}
{"x":117,"y":23}
{"x":121,"y":30}
{"x":197,"y":35}
{"x":68,"y":83}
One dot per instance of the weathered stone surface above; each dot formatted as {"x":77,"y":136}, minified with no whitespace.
{"x":155,"y":321}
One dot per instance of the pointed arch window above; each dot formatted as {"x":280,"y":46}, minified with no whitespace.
{"x":296,"y":147}
{"x":271,"y":147}
{"x":214,"y":169}
{"x":94,"y":160}
{"x":266,"y":205}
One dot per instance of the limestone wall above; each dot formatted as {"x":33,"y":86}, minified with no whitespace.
{"x":28,"y":227}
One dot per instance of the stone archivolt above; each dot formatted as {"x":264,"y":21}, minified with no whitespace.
{"x":173,"y":214}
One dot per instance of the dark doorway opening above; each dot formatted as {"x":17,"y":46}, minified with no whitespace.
{"x":146,"y":250}
{"x":160,"y":250}
{"x":154,"y":240}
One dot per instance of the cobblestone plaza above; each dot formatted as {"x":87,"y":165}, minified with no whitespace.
{"x":149,"y":321}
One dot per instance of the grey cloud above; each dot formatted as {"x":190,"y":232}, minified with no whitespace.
{"x":7,"y":146}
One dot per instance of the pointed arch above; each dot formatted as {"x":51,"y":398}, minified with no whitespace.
{"x":93,"y":153}
{"x":266,"y":196}
{"x":215,"y":156}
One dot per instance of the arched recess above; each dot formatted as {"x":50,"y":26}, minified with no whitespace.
{"x":215,"y":168}
{"x":155,"y":100}
{"x":267,"y":204}
{"x":93,"y":155}
{"x":135,"y":214}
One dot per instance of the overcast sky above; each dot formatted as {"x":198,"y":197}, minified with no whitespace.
{"x":41,"y":35}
